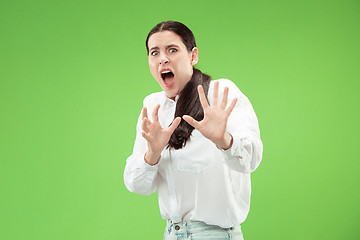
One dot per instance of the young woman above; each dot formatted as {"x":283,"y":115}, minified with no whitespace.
{"x":196,"y":144}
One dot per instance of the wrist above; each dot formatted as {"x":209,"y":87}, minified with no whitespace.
{"x":226,"y":142}
{"x":151,"y":158}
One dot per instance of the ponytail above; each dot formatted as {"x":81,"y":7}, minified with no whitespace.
{"x":189,"y":104}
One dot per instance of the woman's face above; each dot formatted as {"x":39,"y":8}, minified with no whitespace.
{"x":170,"y":63}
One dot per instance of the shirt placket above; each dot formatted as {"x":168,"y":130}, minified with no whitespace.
{"x":169,"y":111}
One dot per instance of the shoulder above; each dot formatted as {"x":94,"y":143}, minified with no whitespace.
{"x":154,"y":98}
{"x":222,"y":81}
{"x":234,"y":90}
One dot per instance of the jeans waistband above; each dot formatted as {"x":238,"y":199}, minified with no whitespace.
{"x":191,"y":226}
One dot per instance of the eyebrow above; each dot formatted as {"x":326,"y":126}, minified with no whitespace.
{"x":168,"y":46}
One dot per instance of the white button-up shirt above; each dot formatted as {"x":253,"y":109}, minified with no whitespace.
{"x":200,"y":182}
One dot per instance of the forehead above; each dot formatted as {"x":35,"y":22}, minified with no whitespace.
{"x":165,"y":38}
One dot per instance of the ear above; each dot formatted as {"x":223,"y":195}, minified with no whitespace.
{"x":194,"y":56}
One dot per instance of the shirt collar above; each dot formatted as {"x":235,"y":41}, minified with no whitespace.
{"x":168,"y":100}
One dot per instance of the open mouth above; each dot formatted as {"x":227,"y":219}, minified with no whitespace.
{"x":168,"y":78}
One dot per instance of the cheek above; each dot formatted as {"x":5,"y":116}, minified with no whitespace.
{"x":185,"y":68}
{"x":185,"y":62}
{"x":152,"y":68}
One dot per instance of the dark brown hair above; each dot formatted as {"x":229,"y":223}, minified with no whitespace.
{"x":188,"y":102}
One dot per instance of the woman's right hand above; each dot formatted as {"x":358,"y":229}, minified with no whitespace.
{"x":156,"y":136}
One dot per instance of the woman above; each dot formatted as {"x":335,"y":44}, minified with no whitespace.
{"x":198,"y":144}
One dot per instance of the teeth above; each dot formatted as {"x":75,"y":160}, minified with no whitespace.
{"x":166,"y":71}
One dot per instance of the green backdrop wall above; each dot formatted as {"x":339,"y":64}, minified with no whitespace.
{"x":73,"y":75}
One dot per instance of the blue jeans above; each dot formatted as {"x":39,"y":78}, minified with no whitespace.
{"x":200,"y":231}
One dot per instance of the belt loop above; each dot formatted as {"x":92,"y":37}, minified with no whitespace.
{"x":187,"y":230}
{"x":169,"y":225}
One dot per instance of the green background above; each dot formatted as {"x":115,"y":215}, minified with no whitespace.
{"x":73,"y":75}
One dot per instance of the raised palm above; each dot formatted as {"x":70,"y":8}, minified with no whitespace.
{"x":156,"y":136}
{"x":213,"y":125}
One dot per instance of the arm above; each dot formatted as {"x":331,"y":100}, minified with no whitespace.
{"x":139,"y":176}
{"x":234,"y":129}
{"x":245,"y":154}
{"x":142,"y":166}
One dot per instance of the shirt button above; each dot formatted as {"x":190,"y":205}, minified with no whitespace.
{"x":177,"y":227}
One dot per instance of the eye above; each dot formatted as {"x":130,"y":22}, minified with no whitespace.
{"x":173,"y":50}
{"x":154,"y":53}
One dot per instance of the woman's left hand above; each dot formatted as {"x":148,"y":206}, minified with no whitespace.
{"x":213,"y":125}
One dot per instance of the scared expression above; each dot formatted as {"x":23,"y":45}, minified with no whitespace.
{"x":170,"y":63}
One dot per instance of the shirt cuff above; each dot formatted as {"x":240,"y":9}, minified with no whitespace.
{"x":145,"y":167}
{"x":237,"y":154}
{"x":234,"y":150}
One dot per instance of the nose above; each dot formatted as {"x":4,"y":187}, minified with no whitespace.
{"x":163,"y":60}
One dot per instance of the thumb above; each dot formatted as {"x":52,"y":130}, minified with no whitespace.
{"x":174,"y":124}
{"x":191,"y":121}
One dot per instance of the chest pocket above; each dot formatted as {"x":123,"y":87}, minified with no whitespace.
{"x":198,"y":154}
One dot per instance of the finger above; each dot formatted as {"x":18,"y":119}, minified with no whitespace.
{"x":216,"y":93}
{"x":231,"y":107}
{"x":146,"y":136}
{"x":225,"y":98}
{"x":174,"y":124}
{"x":144,"y":113}
{"x":191,"y":121}
{"x":203,"y":100}
{"x":145,"y":125}
{"x":155,"y":113}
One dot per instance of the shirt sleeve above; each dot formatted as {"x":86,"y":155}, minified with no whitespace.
{"x":245,"y":154}
{"x":139,"y":177}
